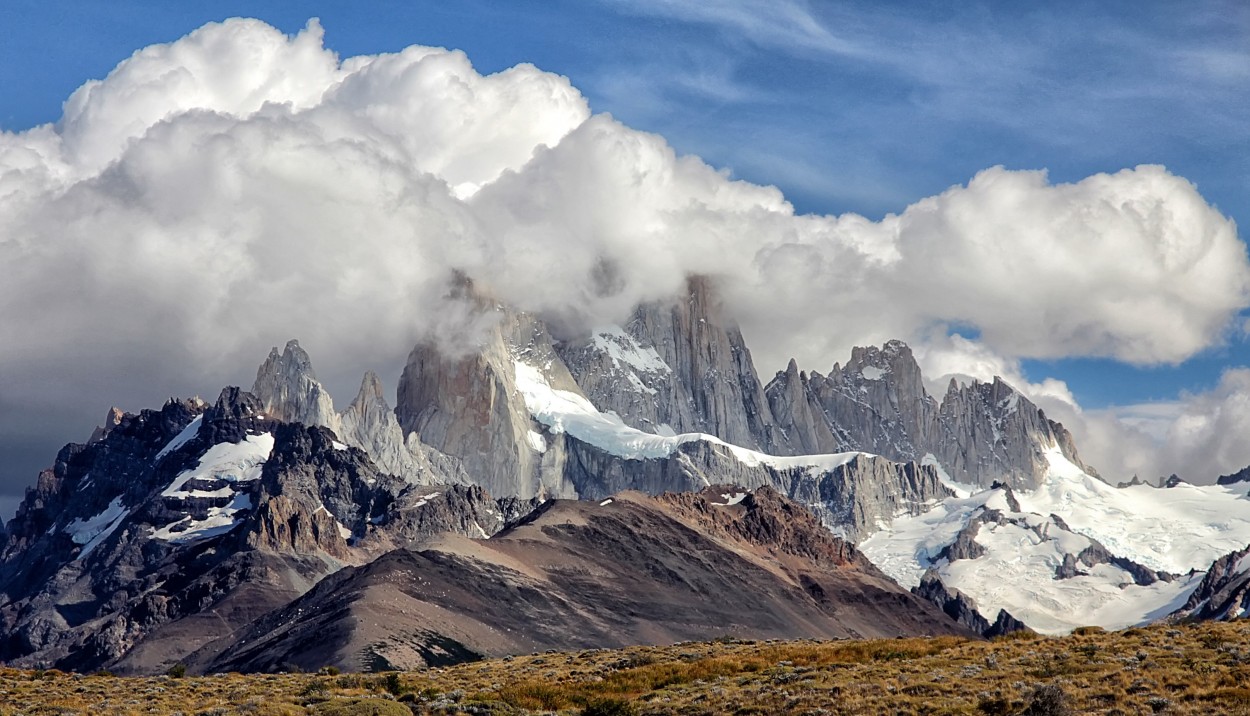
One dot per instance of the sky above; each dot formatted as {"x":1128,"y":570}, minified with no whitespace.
{"x":1050,"y":193}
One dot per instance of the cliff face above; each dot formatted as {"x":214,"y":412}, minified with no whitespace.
{"x":467,"y":406}
{"x":679,"y":365}
{"x":981,"y":433}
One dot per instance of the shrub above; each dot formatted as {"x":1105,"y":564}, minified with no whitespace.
{"x":1048,"y":700}
{"x":609,"y":707}
{"x":177,"y":671}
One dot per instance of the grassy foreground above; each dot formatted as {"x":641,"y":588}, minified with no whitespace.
{"x":1199,"y":669}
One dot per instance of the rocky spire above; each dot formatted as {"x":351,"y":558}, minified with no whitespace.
{"x":680,"y":363}
{"x":370,"y":424}
{"x":980,"y":432}
{"x":800,"y":417}
{"x":466,"y":404}
{"x":289,"y":390}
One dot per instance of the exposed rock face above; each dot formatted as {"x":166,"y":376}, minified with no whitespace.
{"x":679,"y":366}
{"x":850,"y":498}
{"x":1242,"y":475}
{"x":467,"y":406}
{"x":980,"y":433}
{"x":634,"y":569}
{"x":181,"y":525}
{"x":963,"y":609}
{"x":1224,"y":593}
{"x":989,"y":432}
{"x":289,"y":391}
{"x":682,"y":364}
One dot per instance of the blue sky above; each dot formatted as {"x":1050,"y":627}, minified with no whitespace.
{"x":846,"y":107}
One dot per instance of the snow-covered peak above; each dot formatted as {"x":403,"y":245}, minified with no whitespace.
{"x":1073,"y":551}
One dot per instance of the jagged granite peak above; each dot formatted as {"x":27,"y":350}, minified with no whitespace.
{"x":543,"y":583}
{"x":686,"y":368}
{"x":111,"y":420}
{"x":466,"y":405}
{"x":990,"y":432}
{"x":370,"y":424}
{"x":289,"y":390}
{"x":980,"y":433}
{"x":800,"y":415}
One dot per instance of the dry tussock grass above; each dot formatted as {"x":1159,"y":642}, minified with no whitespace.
{"x":1196,"y":669}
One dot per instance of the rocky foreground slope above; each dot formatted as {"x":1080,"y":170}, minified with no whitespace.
{"x":578,"y":574}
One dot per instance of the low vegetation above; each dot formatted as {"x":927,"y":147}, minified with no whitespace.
{"x":1194,"y":669}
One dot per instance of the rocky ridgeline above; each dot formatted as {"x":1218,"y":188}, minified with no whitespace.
{"x":981,"y":433}
{"x":161,"y":537}
{"x":963,"y":609}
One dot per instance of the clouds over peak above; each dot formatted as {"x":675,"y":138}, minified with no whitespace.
{"x":219,"y":194}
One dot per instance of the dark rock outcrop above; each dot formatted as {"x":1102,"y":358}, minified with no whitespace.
{"x":963,"y":609}
{"x":1223,"y":593}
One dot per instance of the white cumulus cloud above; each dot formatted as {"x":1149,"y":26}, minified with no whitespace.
{"x":216,"y":195}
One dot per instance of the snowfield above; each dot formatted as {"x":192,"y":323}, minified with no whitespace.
{"x":1177,"y":530}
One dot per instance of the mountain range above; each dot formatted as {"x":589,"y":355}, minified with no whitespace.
{"x":538,"y":486}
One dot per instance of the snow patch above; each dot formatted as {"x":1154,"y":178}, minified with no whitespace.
{"x":92,"y":531}
{"x":181,"y":438}
{"x":425,"y":499}
{"x":606,"y":502}
{"x":731,"y":499}
{"x":871,"y":372}
{"x":537,"y":442}
{"x":623,"y":349}
{"x":218,"y":521}
{"x":231,"y":462}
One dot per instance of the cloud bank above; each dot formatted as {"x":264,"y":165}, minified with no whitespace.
{"x":216,"y":195}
